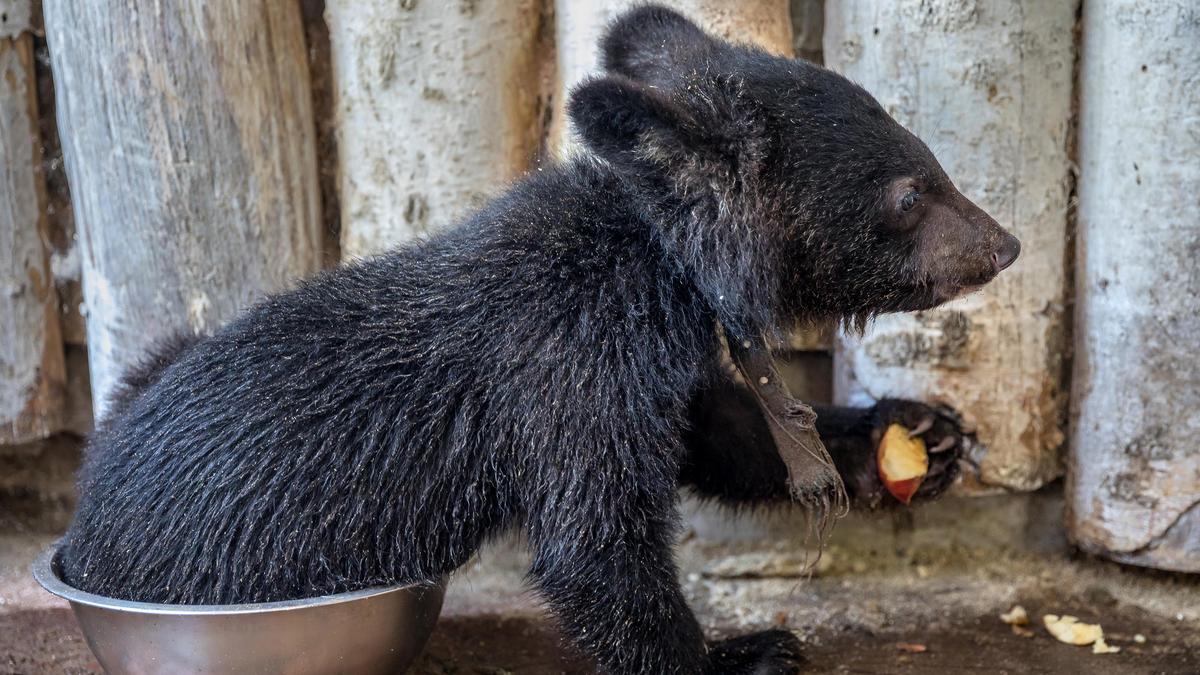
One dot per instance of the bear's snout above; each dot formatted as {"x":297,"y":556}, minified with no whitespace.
{"x":1006,"y":254}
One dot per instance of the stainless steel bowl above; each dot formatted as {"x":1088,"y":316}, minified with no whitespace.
{"x":379,"y":630}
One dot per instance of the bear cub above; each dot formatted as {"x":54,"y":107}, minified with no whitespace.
{"x":553,"y":364}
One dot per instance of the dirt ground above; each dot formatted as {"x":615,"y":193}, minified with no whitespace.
{"x":938,"y":578}
{"x":48,"y":641}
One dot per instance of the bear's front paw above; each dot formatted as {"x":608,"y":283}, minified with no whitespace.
{"x":772,"y":652}
{"x":939,"y":427}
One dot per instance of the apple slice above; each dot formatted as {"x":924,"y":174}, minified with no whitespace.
{"x":902,"y":462}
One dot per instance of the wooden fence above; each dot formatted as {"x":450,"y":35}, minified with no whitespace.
{"x":196,"y":163}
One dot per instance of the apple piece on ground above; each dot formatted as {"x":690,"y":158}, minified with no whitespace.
{"x":1072,"y":631}
{"x":902,"y":462}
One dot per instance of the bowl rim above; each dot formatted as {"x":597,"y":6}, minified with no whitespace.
{"x":46,"y":572}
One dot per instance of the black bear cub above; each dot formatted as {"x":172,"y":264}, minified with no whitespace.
{"x":551,"y":364}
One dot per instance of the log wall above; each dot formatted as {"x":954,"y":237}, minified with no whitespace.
{"x":188,"y":136}
{"x":436,"y":109}
{"x":1134,"y":481}
{"x":988,"y":87}
{"x":32,"y":370}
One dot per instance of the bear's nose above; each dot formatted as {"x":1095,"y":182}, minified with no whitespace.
{"x":1006,"y":255}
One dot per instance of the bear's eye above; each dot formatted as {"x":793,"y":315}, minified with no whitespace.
{"x":909,"y":201}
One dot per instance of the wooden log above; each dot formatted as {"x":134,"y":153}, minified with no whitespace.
{"x":32,"y":370}
{"x":808,"y":28}
{"x":16,"y":18}
{"x":435,"y":110}
{"x":320,"y":71}
{"x":64,"y":255}
{"x":988,"y":87}
{"x":579,"y":25}
{"x":1134,"y":475}
{"x":187,"y":132}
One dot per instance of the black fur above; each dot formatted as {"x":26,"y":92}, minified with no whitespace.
{"x":731,"y":455}
{"x":538,"y":366}
{"x":144,"y":374}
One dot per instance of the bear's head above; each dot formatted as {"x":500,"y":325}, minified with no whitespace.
{"x":782,"y":189}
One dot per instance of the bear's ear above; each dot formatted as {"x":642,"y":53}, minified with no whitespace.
{"x":626,"y":122}
{"x":653,"y":44}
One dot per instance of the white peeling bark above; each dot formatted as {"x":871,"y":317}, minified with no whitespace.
{"x":435,"y":110}
{"x":16,"y":17}
{"x":1134,"y":478}
{"x":579,"y":25}
{"x":187,"y":132}
{"x":32,"y":371}
{"x":988,"y":86}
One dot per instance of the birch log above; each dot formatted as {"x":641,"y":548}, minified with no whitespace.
{"x":808,"y":27}
{"x":32,"y":374}
{"x":187,"y":131}
{"x":1134,"y":481}
{"x":579,"y":25}
{"x":435,"y":106}
{"x":988,"y":87}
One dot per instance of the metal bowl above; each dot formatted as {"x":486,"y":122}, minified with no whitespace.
{"x":378,"y":630}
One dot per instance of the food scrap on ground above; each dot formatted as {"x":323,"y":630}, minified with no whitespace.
{"x":1017,"y":618}
{"x":1072,"y":631}
{"x":1102,"y":647}
{"x":1022,"y":631}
